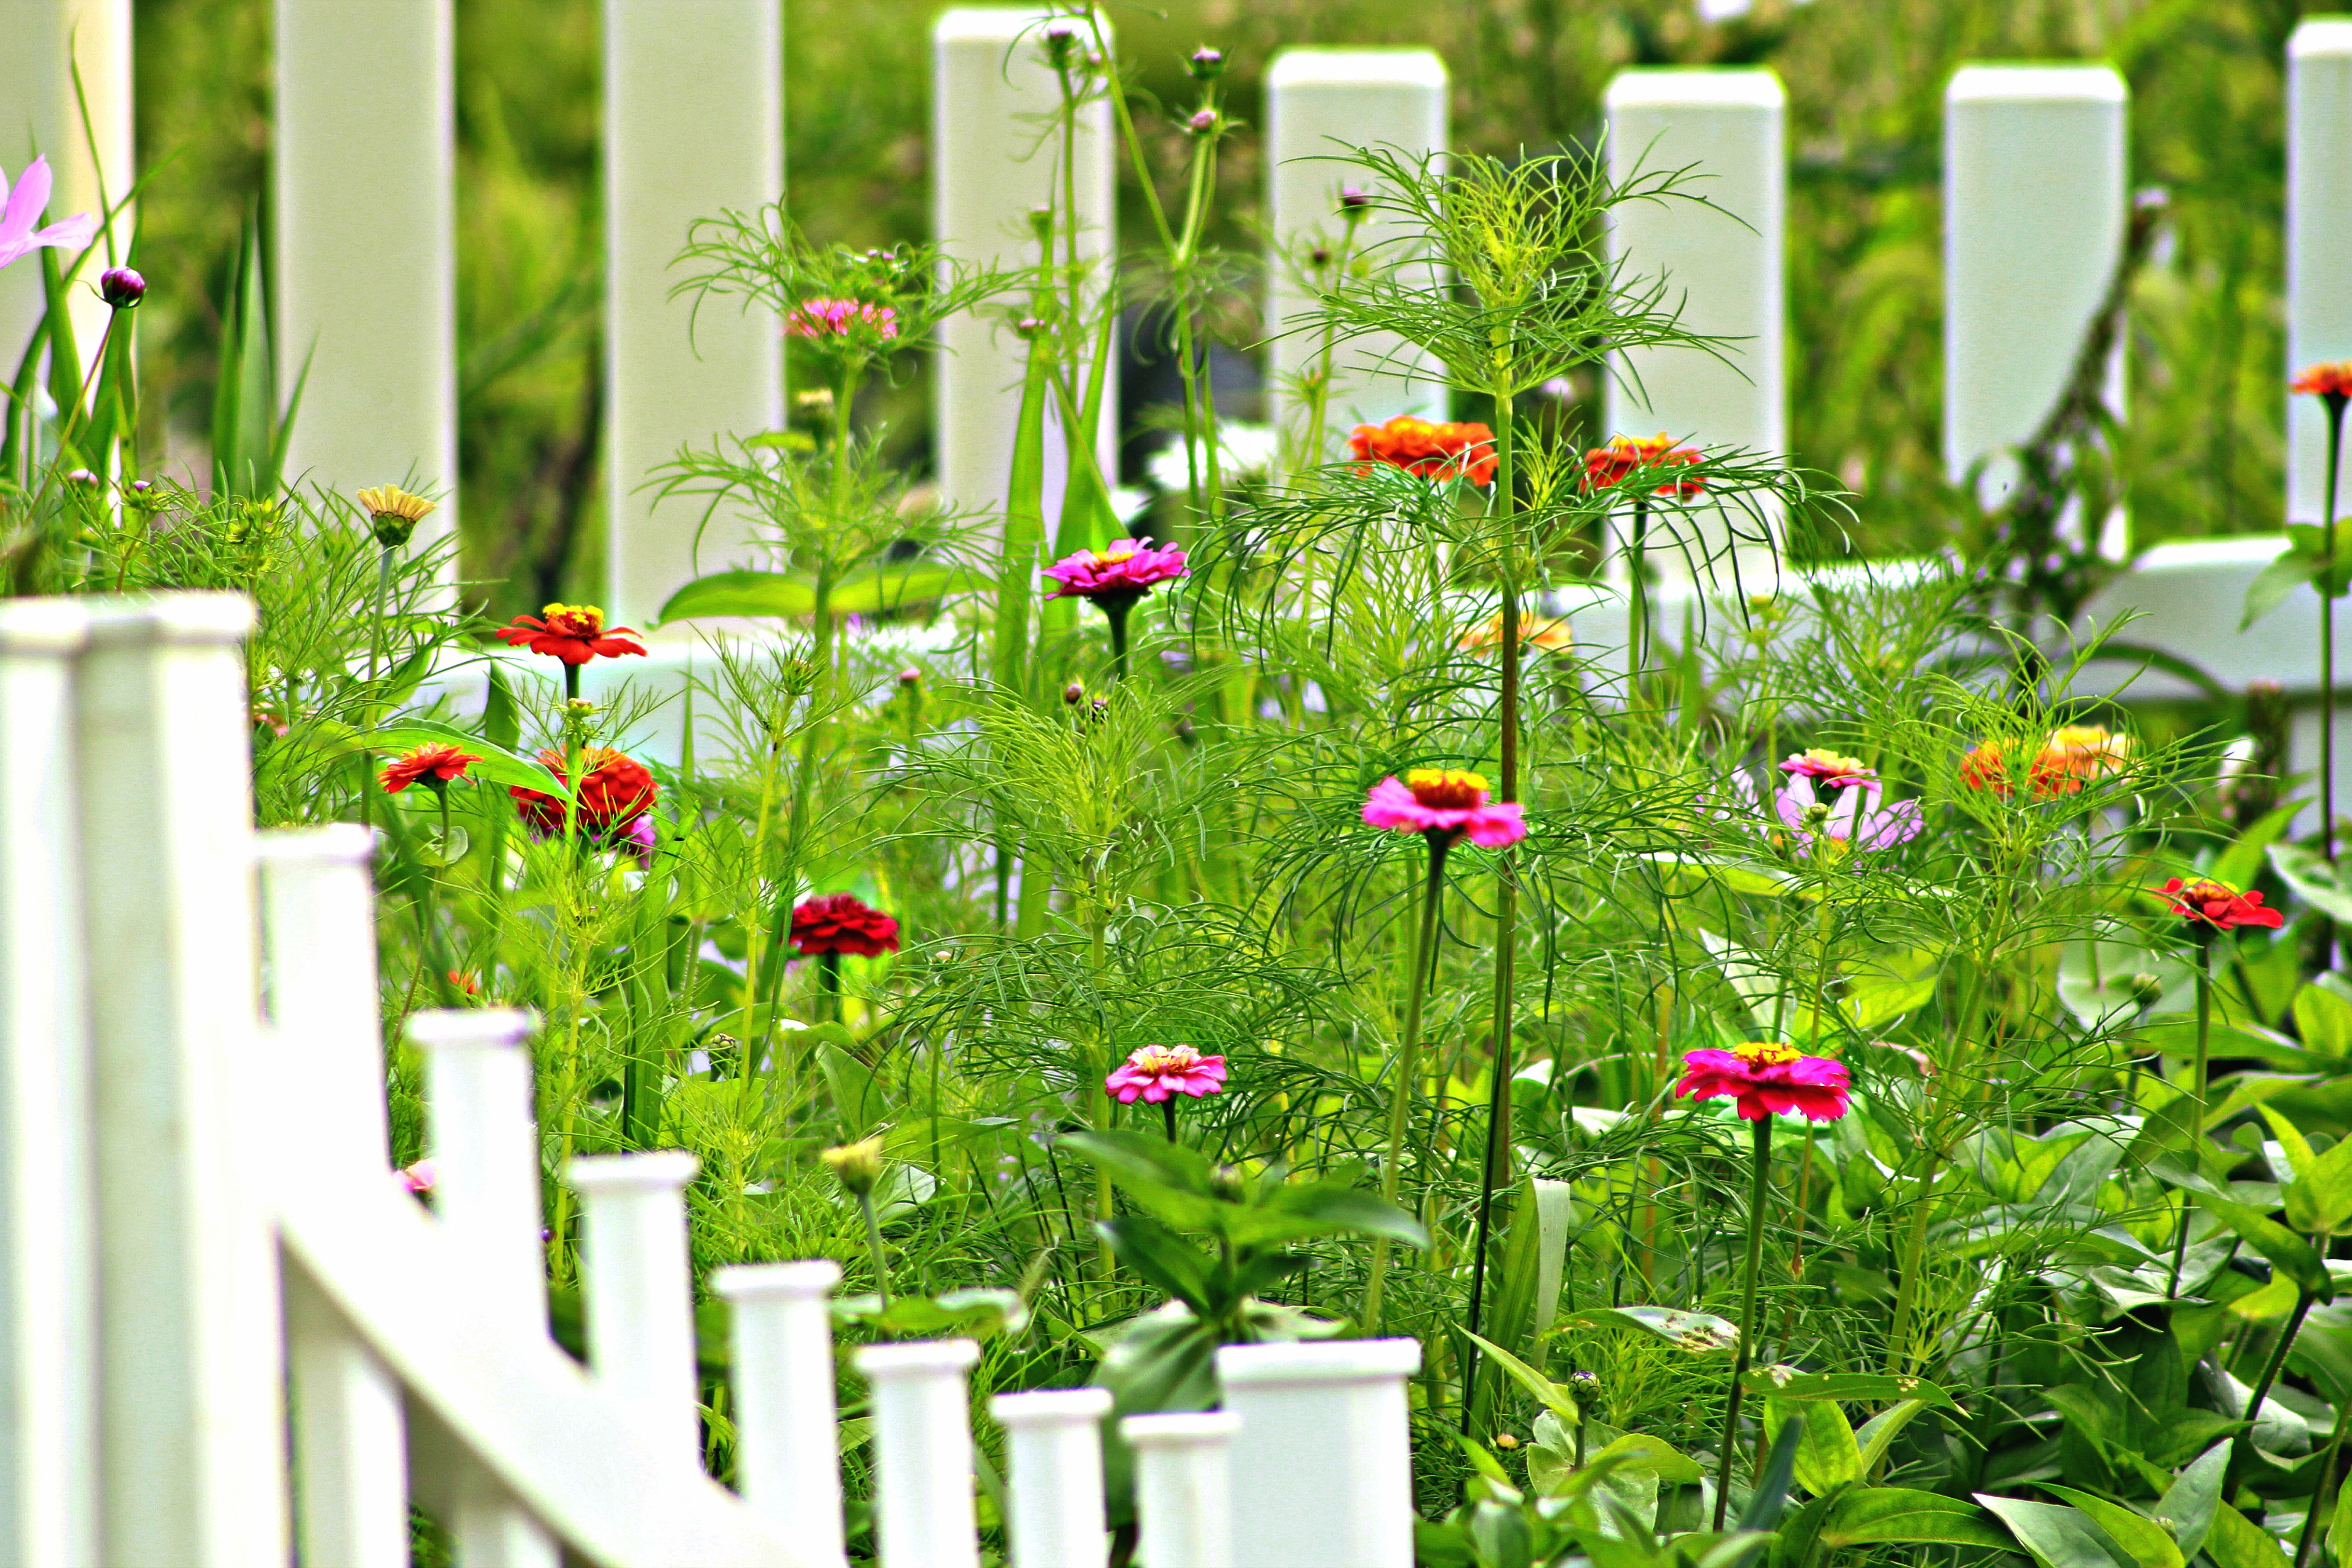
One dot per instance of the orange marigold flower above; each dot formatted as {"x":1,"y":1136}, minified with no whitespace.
{"x":1428,"y":450}
{"x":615,"y":791}
{"x":573,"y":632}
{"x":1608,"y":465}
{"x":2076,"y":754}
{"x":2332,"y":379}
{"x":436,"y":767}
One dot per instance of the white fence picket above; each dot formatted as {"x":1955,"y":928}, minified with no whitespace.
{"x":638,"y":1290}
{"x":1184,"y":1487}
{"x":49,"y":1374}
{"x":2319,"y":241}
{"x":1053,"y":1451}
{"x":485,"y":1156}
{"x":787,"y":1455}
{"x":1323,"y":1464}
{"x":922,"y":1452}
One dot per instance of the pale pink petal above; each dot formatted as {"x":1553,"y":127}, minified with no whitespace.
{"x":25,"y":200}
{"x":74,"y":233}
{"x":1492,"y":826}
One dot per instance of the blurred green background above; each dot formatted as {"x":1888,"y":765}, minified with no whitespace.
{"x":2203,"y":455}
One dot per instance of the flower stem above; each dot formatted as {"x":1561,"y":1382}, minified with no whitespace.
{"x":1116,"y":615}
{"x":2197,"y":1087}
{"x":1408,"y":1064}
{"x":2327,"y":637}
{"x":828,"y":986}
{"x":873,"y":1247}
{"x":1168,"y":1111}
{"x":1760,"y":1187}
{"x":2245,"y":1443}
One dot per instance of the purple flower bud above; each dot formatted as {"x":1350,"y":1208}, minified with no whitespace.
{"x":1318,"y":256}
{"x":1029,"y":326}
{"x":82,"y":477}
{"x":1353,"y":198}
{"x":1203,"y":122}
{"x":910,"y":677}
{"x":122,"y":287}
{"x":1206,"y":63}
{"x":1060,"y":34}
{"x":1074,"y":694}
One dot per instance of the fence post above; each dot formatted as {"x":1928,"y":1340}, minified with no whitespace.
{"x":922,"y":1452}
{"x":787,"y":1455}
{"x":351,"y":1432}
{"x":2319,"y":241}
{"x":1053,"y":1450}
{"x":1721,"y":264}
{"x":191,"y":1437}
{"x":48,"y":41}
{"x":49,"y":1373}
{"x":1323,"y":1467}
{"x":637,"y":1289}
{"x":364,"y":162}
{"x":693,"y":124}
{"x":992,"y":162}
{"x":1321,"y":103}
{"x":1183,"y":1489}
{"x":2033,"y":227}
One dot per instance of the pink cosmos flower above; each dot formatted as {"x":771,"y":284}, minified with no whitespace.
{"x":1856,"y":821}
{"x":30,"y":195}
{"x":838,"y":319}
{"x":1118,"y":575}
{"x":1447,"y":806}
{"x":417,"y":1178}
{"x":1764,"y":1080}
{"x":1153,"y":1073}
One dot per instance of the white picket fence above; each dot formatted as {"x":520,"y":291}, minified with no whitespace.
{"x":230,"y":1338}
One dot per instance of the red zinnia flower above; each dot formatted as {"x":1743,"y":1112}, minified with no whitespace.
{"x":2329,"y":380}
{"x":2217,"y":906}
{"x":1428,"y":450}
{"x":1152,"y":1073}
{"x":433,"y":766}
{"x":1610,"y":465}
{"x":573,"y":632}
{"x":615,"y":791}
{"x":1764,"y":1079}
{"x":843,"y":923}
{"x":1445,"y":806}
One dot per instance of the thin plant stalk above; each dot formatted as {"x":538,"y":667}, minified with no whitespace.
{"x":2196,"y":1088}
{"x":1759,"y":1188}
{"x":2319,"y":1493}
{"x":1637,"y":598}
{"x":2336,"y":405}
{"x":874,"y":1248}
{"x":1408,"y":1065}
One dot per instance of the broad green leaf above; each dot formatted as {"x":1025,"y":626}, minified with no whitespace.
{"x":1702,"y":1333}
{"x":2289,"y":571}
{"x":2339,"y":1527}
{"x":1341,"y":1205}
{"x":2193,"y":1496}
{"x":2056,"y":1536}
{"x":892,"y":587}
{"x":1640,"y":1452}
{"x":1871,"y":1515}
{"x":1788,"y":1383}
{"x":2287,"y":1251}
{"x":1554,"y":1396}
{"x":2142,"y":1539}
{"x":856,"y":1093}
{"x":2236,"y":1541}
{"x":1025,"y":525}
{"x":1163,"y":1258}
{"x":2291,"y":1139}
{"x":2314,"y":880}
{"x":2319,"y":1200}
{"x":1878,"y":1433}
{"x":498,"y":765}
{"x":741,"y":594}
{"x":1827,"y":1456}
{"x":2239,"y":864}
{"x":1686,"y":871}
{"x":2322,"y":1019}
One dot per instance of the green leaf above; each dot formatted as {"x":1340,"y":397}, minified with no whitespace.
{"x":2287,"y":572}
{"x":2237,"y":1541}
{"x":856,"y":1091}
{"x":1788,"y":1383}
{"x":2287,"y":1252}
{"x":1554,"y":1397}
{"x":2339,"y":1527}
{"x":2142,"y":1539}
{"x":880,"y":588}
{"x":741,"y":594}
{"x":2291,"y":1140}
{"x":1700,"y":1333}
{"x":1640,"y":1452}
{"x":1141,"y":1163}
{"x":1025,"y":524}
{"x":2056,"y":1536}
{"x":1160,"y":1257}
{"x":2243,"y":860}
{"x":1872,"y":1516}
{"x":2322,"y":1019}
{"x":498,"y":765}
{"x":1827,"y":1456}
{"x":2193,"y":1496}
{"x":2314,"y":880}
{"x":1334,"y":1206}
{"x":1878,"y":1433}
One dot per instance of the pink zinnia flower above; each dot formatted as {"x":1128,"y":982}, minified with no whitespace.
{"x":838,"y":319}
{"x":1447,"y":804}
{"x":1854,"y":821}
{"x":1765,"y":1079}
{"x":1153,"y":1073}
{"x":30,"y":195}
{"x":1118,"y":575}
{"x":1827,"y":767}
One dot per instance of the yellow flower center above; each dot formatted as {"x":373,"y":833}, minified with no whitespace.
{"x":1765,"y":1054}
{"x":1165,"y":1059}
{"x":1822,"y":757}
{"x":1446,"y":789}
{"x":574,"y":620}
{"x":1113,"y":557}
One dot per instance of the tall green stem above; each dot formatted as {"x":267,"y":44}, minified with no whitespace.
{"x":2196,"y":1088}
{"x":2335,"y":403}
{"x":2277,"y":1358}
{"x":1759,"y":1188}
{"x":1408,"y":1067}
{"x":1637,"y":599}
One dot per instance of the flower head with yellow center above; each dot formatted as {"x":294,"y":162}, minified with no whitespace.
{"x":573,"y":632}
{"x":1445,"y":806}
{"x":394,"y":513}
{"x":1153,"y":1073}
{"x":1767,"y":1077}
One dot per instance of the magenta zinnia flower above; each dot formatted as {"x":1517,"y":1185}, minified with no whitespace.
{"x":1447,"y":804}
{"x":1152,"y":1073}
{"x":1856,"y":821}
{"x":1765,"y":1079}
{"x":30,"y":195}
{"x":1827,"y":767}
{"x":838,"y":319}
{"x":1118,"y":575}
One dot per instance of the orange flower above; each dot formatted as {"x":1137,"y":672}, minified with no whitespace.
{"x":1983,"y":768}
{"x":1548,"y":632}
{"x":614,"y":792}
{"x":1428,"y":450}
{"x":1608,"y":465}
{"x":573,"y":632}
{"x":2076,"y":754}
{"x":436,"y":767}
{"x":2333,"y":379}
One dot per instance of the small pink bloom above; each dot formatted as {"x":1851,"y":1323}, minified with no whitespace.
{"x":1154,"y":1073}
{"x":1445,"y":803}
{"x":30,"y":195}
{"x":838,"y":319}
{"x":1856,"y":821}
{"x":1765,"y":1079}
{"x":1118,"y":575}
{"x":1826,"y":767}
{"x":417,"y":1178}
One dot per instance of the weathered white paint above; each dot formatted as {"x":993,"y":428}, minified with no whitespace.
{"x":364,"y":162}
{"x":1714,"y":251}
{"x":1184,"y":1487}
{"x":787,"y":1456}
{"x":922,"y":1452}
{"x":1053,"y":1451}
{"x":2319,"y":241}
{"x":1320,"y":104}
{"x":2033,"y":227}
{"x":1323,"y":1465}
{"x":693,"y":125}
{"x":992,"y":162}
{"x":638,"y":1291}
{"x":48,"y":1458}
{"x":48,"y":41}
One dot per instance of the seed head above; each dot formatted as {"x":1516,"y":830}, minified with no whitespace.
{"x":856,"y":1167}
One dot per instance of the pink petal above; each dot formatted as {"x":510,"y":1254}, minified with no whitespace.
{"x":1492,"y":826}
{"x":25,"y":201}
{"x":74,"y":233}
